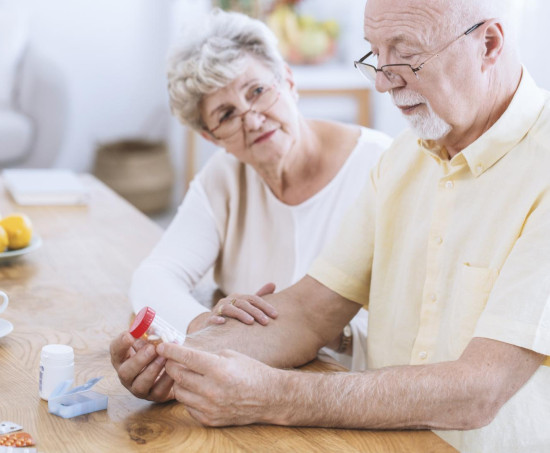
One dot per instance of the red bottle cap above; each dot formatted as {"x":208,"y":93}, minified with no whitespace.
{"x":142,"y":322}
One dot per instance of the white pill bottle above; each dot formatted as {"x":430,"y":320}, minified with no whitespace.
{"x":56,"y":366}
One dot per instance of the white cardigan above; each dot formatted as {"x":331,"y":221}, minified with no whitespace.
{"x":230,"y":220}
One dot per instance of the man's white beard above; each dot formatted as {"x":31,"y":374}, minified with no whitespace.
{"x":426,"y":123}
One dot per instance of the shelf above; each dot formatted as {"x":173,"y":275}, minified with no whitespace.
{"x":329,"y":76}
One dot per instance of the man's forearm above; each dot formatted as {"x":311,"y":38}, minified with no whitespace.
{"x":462,"y":394}
{"x":400,"y":397}
{"x":279,"y":344}
{"x":309,"y":316}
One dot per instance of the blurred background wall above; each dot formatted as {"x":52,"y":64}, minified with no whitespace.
{"x":113,"y":56}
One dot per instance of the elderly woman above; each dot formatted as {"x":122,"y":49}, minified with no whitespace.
{"x":264,"y":206}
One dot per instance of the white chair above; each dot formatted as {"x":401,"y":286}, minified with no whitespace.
{"x":33,"y":126}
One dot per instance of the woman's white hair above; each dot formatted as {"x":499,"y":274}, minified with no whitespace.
{"x":212,"y":55}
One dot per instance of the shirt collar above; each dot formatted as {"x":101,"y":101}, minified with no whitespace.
{"x":507,"y":132}
{"x":431,"y":148}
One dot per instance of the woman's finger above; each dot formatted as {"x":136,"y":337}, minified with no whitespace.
{"x":231,"y":310}
{"x":121,"y":349}
{"x":226,"y":308}
{"x":215,"y":319}
{"x":162,"y":389}
{"x":263,"y":305}
{"x":268,"y":288}
{"x":246,"y":309}
{"x":256,"y":313}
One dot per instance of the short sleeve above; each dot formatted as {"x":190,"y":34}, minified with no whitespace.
{"x":518,"y":308}
{"x":345,"y":264}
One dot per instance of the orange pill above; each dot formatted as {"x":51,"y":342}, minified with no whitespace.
{"x":20,"y":439}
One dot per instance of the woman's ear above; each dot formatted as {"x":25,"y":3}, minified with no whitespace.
{"x":208,"y":136}
{"x":289,"y":77}
{"x":493,"y":44}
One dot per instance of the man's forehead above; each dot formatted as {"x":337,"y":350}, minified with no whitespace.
{"x":394,"y":21}
{"x":406,"y":7}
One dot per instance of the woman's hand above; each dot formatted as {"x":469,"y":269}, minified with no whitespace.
{"x":245,"y":308}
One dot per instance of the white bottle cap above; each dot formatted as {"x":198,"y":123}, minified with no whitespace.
{"x":57,"y":354}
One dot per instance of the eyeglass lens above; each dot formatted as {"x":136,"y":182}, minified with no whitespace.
{"x":392,"y":72}
{"x":260,"y":104}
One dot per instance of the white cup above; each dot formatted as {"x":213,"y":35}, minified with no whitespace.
{"x":5,"y":302}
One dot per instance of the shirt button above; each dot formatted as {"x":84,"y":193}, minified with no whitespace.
{"x":433,"y":297}
{"x":479,"y":169}
{"x":423,"y":355}
{"x":449,"y":185}
{"x":438,"y":240}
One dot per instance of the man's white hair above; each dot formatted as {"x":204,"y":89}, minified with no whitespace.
{"x":212,"y":55}
{"x":462,"y":14}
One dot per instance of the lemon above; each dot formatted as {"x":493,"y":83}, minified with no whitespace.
{"x":19,"y":230}
{"x":3,"y":240}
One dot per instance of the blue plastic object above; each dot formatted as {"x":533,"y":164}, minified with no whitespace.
{"x":78,"y":401}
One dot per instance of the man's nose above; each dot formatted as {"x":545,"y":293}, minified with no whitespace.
{"x":383,"y":83}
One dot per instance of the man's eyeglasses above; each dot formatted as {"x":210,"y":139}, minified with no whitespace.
{"x":263,"y":98}
{"x":397,"y":72}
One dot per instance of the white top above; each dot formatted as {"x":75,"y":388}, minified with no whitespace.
{"x":230,"y":220}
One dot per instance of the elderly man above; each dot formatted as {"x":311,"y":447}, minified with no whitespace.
{"x":448,"y":247}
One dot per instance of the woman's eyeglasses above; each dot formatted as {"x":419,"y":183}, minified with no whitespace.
{"x":232,"y":122}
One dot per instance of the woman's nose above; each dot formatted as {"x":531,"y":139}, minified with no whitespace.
{"x":253,"y":120}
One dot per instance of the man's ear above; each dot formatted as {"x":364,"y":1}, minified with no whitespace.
{"x":289,"y":77}
{"x":493,"y":44}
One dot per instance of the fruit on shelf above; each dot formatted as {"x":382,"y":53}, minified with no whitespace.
{"x":314,"y":42}
{"x":302,"y":38}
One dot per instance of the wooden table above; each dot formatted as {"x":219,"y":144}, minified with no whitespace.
{"x":73,"y":291}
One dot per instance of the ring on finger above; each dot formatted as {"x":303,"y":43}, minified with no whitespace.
{"x":220,"y":310}
{"x":233,"y":301}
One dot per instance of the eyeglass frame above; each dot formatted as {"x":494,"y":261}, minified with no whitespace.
{"x":243,"y":114}
{"x":416,"y":69}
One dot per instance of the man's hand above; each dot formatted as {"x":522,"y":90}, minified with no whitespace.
{"x":244,"y":308}
{"x":140,"y":369}
{"x":227,"y":388}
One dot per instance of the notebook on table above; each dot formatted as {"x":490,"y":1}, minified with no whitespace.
{"x":33,"y":187}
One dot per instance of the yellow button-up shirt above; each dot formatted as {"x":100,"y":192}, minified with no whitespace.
{"x":441,"y":251}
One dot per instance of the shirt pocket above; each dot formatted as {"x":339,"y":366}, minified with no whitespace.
{"x":475,"y":285}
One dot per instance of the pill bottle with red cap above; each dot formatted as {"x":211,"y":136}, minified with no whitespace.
{"x":152,"y":328}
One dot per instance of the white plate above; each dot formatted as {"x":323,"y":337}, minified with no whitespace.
{"x":36,"y":242}
{"x":5,"y":327}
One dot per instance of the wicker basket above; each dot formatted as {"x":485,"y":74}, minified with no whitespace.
{"x":138,"y":170}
